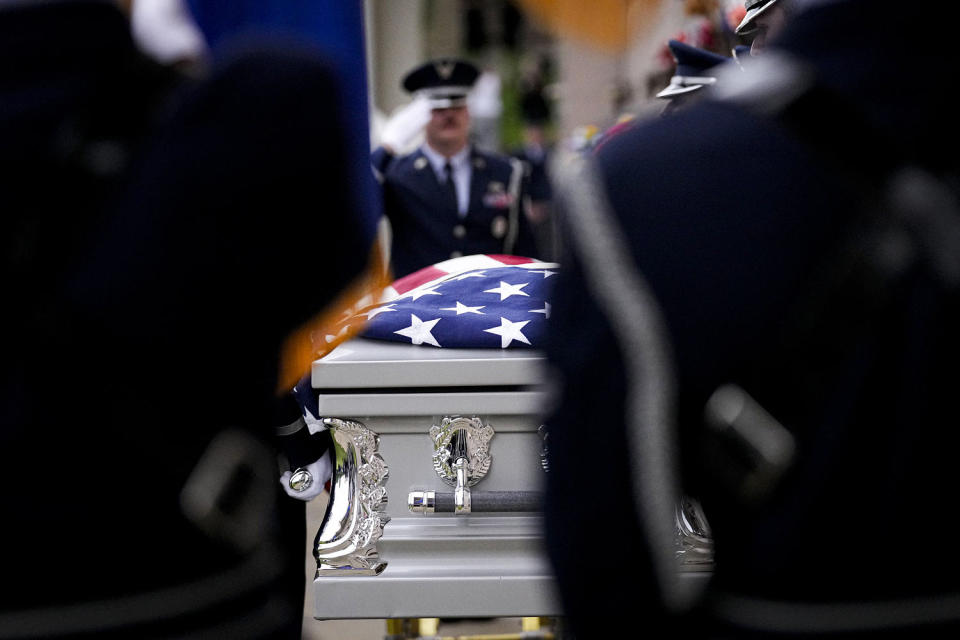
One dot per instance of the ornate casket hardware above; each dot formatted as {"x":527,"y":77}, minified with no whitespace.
{"x":543,"y":432}
{"x":461,"y":456}
{"x":346,"y":543}
{"x":458,"y":438}
{"x":481,"y":501}
{"x":694,"y":542}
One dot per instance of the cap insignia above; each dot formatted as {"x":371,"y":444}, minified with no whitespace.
{"x":444,"y":69}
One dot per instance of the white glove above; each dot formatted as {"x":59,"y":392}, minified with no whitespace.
{"x":319,"y":472}
{"x":404,"y":127}
{"x":165,"y":30}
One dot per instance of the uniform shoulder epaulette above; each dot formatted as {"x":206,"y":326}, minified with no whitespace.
{"x":495,"y":161}
{"x":408,"y":163}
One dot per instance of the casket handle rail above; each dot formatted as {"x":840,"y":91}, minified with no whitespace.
{"x":461,"y":458}
{"x":479,"y":502}
{"x":346,"y":543}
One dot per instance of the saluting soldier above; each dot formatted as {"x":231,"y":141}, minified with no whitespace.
{"x":447,"y":198}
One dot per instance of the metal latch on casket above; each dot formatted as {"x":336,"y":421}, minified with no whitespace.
{"x":461,"y":458}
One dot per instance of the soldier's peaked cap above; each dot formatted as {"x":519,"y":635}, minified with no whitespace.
{"x":754,"y":8}
{"x":445,"y":81}
{"x":693,"y":68}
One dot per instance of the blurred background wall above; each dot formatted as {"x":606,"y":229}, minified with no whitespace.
{"x":593,"y":61}
{"x":585,"y":63}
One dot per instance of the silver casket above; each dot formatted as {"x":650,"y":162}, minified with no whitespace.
{"x":438,"y":475}
{"x":439,"y":470}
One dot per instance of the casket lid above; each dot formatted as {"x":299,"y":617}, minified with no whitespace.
{"x":377,"y":364}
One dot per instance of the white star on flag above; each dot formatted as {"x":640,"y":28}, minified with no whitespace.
{"x":471,"y":294}
{"x":416,"y":294}
{"x":419,"y":331}
{"x":509,"y":331}
{"x":545,"y":311}
{"x":462,"y":308}
{"x":373,"y":313}
{"x":506,"y":290}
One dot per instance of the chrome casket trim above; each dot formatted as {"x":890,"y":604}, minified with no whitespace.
{"x":346,"y":543}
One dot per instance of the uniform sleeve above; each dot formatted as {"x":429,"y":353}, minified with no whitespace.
{"x":540,"y":190}
{"x":589,"y":417}
{"x":380,"y":160}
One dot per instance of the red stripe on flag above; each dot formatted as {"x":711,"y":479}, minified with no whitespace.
{"x":505,"y":259}
{"x":417,"y":278}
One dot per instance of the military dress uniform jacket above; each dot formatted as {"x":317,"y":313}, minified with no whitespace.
{"x":732,"y":258}
{"x":150,"y":230}
{"x":426,"y":228}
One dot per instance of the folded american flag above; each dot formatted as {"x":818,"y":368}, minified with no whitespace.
{"x":479,"y":301}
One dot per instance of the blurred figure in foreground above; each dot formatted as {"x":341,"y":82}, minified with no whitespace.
{"x":447,"y":198}
{"x":782,"y":348}
{"x":154,"y":231}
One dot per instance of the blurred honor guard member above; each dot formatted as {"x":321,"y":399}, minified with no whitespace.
{"x":150,"y":228}
{"x":693,"y":72}
{"x":447,"y":198}
{"x":785,"y":353}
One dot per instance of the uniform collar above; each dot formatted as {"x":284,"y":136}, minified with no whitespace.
{"x":459,"y":161}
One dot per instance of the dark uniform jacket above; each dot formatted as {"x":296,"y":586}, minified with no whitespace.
{"x":151,"y":231}
{"x":536,"y":164}
{"x":734,"y":257}
{"x":427,"y":229}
